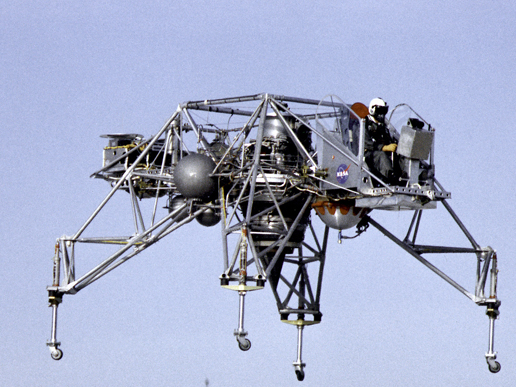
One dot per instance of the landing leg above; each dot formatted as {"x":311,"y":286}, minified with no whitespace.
{"x":492,"y":312}
{"x":243,"y":343}
{"x":56,"y":353}
{"x":298,"y":364}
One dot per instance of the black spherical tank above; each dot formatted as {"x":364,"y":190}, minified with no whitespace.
{"x":208,"y":218}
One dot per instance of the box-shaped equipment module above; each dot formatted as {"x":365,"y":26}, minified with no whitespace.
{"x":415,"y":143}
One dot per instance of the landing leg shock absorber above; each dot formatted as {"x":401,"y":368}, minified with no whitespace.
{"x":242,"y":288}
{"x":243,"y":343}
{"x":299,"y":366}
{"x":55,"y":299}
{"x":492,"y":312}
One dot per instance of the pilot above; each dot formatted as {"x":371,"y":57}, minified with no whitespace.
{"x":379,"y":145}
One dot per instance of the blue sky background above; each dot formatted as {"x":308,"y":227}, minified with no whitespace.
{"x":71,"y":71}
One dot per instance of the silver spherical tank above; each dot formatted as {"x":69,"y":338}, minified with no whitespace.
{"x":192,"y":177}
{"x":174,"y":204}
{"x":339,"y":216}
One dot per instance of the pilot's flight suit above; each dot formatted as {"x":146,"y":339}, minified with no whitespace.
{"x":376,"y":137}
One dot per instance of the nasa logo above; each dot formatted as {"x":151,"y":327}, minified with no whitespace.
{"x":342,"y":173}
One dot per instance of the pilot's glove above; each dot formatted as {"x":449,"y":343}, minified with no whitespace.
{"x":390,"y":148}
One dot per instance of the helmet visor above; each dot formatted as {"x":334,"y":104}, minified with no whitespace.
{"x":381,"y":110}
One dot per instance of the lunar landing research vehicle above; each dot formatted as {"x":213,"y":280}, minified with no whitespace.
{"x":275,"y":174}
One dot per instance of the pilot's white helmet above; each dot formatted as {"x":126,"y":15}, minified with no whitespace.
{"x":378,"y":106}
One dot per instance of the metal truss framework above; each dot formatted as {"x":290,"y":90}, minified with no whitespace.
{"x":267,"y":186}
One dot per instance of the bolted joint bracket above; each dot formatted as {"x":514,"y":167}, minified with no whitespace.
{"x":492,"y":309}
{"x":54,"y":297}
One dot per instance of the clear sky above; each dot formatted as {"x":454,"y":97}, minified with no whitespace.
{"x":71,"y":71}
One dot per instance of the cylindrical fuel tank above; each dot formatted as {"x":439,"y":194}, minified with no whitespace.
{"x":267,"y":227}
{"x":273,"y":128}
